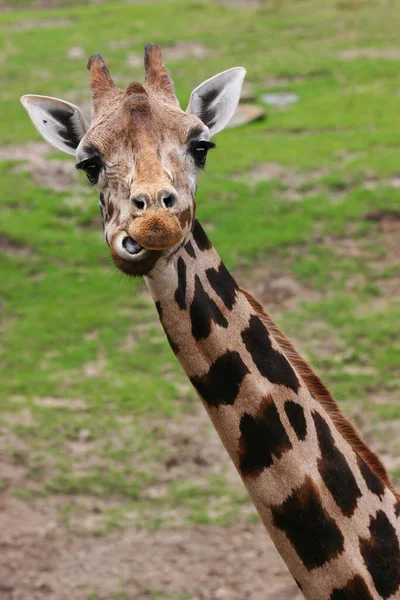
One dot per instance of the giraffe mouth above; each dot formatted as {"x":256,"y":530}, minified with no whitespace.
{"x":128,"y":248}
{"x":131,"y":245}
{"x":130,"y":256}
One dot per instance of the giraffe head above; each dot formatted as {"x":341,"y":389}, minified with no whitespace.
{"x":142,"y":152}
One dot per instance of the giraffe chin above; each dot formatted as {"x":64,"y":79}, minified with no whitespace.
{"x":130,"y":257}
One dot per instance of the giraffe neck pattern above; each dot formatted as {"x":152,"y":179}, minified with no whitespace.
{"x":334,"y":520}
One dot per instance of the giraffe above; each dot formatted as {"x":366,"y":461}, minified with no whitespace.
{"x":323,"y":496}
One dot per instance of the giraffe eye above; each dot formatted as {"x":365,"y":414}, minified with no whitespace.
{"x":91,"y":168}
{"x":199,"y":152}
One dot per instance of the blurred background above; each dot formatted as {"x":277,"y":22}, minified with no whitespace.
{"x":113,"y":483}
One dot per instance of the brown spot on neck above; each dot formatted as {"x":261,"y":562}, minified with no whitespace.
{"x":322,"y":395}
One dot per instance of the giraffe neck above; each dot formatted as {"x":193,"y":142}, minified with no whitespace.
{"x":334,"y":519}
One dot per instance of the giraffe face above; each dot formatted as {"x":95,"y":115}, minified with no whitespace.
{"x":142,"y":152}
{"x":143,"y":156}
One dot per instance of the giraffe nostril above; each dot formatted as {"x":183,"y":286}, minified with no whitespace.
{"x":139,"y":203}
{"x":169,"y":200}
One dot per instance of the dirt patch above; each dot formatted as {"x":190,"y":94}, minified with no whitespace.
{"x":299,"y":184}
{"x":199,"y":561}
{"x":275,"y":288}
{"x":275,"y":81}
{"x":23,"y":417}
{"x":344,"y":246}
{"x":24,"y":152}
{"x":296,"y":183}
{"x":193,"y":449}
{"x":347,"y":156}
{"x":281,"y":99}
{"x":58,"y":175}
{"x":182,"y":50}
{"x":96,"y":367}
{"x":372,"y":53}
{"x":289,"y":177}
{"x":129,"y":343}
{"x":371,"y":181}
{"x":13,"y":248}
{"x":390,"y":287}
{"x":78,"y":560}
{"x":70,"y":403}
{"x":134,"y":60}
{"x":388,"y":232}
{"x":385,"y":237}
{"x":358,"y":247}
{"x":76,"y":53}
{"x":14,"y":452}
{"x":119,"y":44}
{"x":389,"y":220}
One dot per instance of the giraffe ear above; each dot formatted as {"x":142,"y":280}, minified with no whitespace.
{"x":215,"y":100}
{"x":60,"y":123}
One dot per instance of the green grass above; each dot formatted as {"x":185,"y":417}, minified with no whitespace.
{"x":85,"y":369}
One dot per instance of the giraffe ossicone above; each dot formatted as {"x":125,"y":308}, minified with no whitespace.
{"x":323,"y":496}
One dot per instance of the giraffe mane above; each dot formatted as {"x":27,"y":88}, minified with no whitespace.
{"x":322,"y":394}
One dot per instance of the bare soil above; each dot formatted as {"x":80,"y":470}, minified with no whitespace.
{"x":40,"y":559}
{"x":275,"y":288}
{"x":58,"y":175}
{"x":13,"y":248}
{"x":275,"y":81}
{"x":292,"y":179}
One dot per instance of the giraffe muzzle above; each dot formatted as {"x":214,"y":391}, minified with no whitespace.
{"x":136,"y":249}
{"x":157,"y":229}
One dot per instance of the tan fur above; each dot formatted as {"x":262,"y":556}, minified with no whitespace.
{"x":157,"y":77}
{"x":103,"y":88}
{"x":141,"y":134}
{"x":320,"y":392}
{"x":156,"y":230}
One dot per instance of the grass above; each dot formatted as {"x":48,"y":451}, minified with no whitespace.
{"x":85,"y":369}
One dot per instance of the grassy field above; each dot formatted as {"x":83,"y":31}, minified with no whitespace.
{"x":303,"y":206}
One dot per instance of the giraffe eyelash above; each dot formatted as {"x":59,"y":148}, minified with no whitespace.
{"x":92,"y":168}
{"x":199,"y":149}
